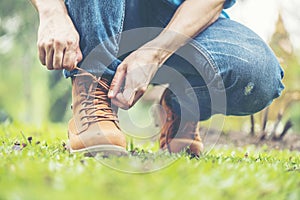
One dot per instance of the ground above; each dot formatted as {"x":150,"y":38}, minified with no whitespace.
{"x":34,"y":164}
{"x":241,"y":139}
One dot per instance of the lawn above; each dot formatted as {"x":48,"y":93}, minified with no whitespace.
{"x":35,"y":165}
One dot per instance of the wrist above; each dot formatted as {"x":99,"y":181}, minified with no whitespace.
{"x":167,"y":43}
{"x":51,"y":8}
{"x":158,"y":51}
{"x":52,"y":12}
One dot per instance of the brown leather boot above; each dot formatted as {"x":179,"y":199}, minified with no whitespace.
{"x":94,"y":126}
{"x":174,"y":138}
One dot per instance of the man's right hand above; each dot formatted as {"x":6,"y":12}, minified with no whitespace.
{"x":58,"y":41}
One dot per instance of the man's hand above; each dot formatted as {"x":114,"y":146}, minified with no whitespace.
{"x":134,"y":75}
{"x":58,"y":40}
{"x":139,"y":67}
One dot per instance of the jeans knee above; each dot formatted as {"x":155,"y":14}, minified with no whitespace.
{"x":256,"y":89}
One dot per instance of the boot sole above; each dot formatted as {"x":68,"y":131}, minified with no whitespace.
{"x":103,"y":150}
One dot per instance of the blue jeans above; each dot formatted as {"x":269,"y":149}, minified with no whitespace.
{"x":227,"y":59}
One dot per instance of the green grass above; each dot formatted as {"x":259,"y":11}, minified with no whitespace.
{"x":47,"y":171}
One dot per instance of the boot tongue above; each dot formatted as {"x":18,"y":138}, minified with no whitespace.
{"x":83,"y":82}
{"x":100,"y":103}
{"x":91,"y":104}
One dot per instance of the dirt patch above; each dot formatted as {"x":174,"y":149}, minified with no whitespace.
{"x":240,"y":139}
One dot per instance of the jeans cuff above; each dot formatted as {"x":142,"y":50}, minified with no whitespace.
{"x":68,"y":74}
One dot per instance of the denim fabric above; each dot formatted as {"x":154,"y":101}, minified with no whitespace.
{"x":227,"y":4}
{"x":226,"y":53}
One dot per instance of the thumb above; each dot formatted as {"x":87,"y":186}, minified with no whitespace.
{"x":130,"y":88}
{"x":78,"y":55}
{"x":78,"y":58}
{"x":117,"y":81}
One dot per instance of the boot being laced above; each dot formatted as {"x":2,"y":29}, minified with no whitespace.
{"x":94,"y":125}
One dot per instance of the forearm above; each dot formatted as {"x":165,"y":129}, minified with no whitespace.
{"x":192,"y":17}
{"x":137,"y":69}
{"x":46,"y":8}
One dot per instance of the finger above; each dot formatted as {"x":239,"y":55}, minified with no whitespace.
{"x":120,"y":102}
{"x":69,"y":59}
{"x":135,"y":96}
{"x":117,"y":81}
{"x":78,"y":55}
{"x":138,"y":95}
{"x":49,"y":57}
{"x":131,"y":87}
{"x":42,"y":54}
{"x":58,"y":56}
{"x":117,"y":103}
{"x":78,"y":58}
{"x":129,"y":95}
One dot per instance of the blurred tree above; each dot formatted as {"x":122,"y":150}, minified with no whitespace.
{"x":283,"y":48}
{"x":17,"y":58}
{"x":280,"y":41}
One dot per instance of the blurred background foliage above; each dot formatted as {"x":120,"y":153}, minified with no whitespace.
{"x":31,"y":94}
{"x":28,"y":92}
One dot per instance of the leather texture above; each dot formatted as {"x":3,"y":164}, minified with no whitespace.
{"x":177,"y":134}
{"x":94,"y":122}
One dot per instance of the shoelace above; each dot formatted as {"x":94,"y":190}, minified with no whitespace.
{"x":96,"y":103}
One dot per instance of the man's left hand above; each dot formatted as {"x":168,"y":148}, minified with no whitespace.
{"x":133,"y":77}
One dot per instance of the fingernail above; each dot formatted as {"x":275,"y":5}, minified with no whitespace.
{"x":111,"y":93}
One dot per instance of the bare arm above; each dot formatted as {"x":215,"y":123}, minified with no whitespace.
{"x":191,"y":18}
{"x":137,"y":70}
{"x":58,"y":40}
{"x":46,"y":6}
